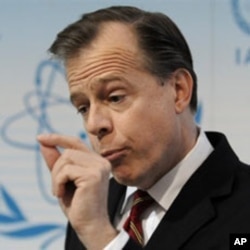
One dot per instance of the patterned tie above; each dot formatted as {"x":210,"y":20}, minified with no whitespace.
{"x":142,"y":200}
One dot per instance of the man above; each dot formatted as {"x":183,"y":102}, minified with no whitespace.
{"x":131,"y":77}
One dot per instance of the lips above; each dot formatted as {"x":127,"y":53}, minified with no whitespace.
{"x":114,"y":154}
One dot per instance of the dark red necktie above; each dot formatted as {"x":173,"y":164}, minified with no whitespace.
{"x":141,"y":201}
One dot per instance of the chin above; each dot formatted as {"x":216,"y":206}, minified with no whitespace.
{"x":128,"y":178}
{"x":124,"y":177}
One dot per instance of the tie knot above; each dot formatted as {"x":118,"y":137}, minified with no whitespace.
{"x":141,"y":201}
{"x":141,"y":196}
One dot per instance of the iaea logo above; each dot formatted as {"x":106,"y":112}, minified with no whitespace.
{"x":241,"y":12}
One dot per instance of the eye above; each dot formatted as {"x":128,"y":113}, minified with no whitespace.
{"x":83,"y":109}
{"x":116,"y":98}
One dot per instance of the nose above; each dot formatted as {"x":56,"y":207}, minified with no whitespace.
{"x":98,"y":122}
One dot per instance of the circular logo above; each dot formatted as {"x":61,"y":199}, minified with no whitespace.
{"x":241,"y":12}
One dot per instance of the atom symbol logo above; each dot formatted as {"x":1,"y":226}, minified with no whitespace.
{"x":241,"y":12}
{"x":38,"y":104}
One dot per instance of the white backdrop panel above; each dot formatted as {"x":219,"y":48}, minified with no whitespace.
{"x":34,"y":97}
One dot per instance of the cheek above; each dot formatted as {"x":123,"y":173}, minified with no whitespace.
{"x":148,"y":121}
{"x":147,"y":134}
{"x":155,"y":135}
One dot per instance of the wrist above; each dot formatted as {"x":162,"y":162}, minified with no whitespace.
{"x":97,"y":237}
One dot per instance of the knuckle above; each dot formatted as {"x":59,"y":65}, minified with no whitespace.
{"x":78,"y":142}
{"x":67,"y":154}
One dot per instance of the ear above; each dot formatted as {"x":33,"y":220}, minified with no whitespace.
{"x":183,"y":86}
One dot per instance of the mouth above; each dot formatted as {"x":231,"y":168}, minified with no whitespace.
{"x":115,"y":154}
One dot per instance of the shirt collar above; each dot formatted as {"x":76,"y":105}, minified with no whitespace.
{"x":168,"y":187}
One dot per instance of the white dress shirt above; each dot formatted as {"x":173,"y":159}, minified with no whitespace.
{"x":164,"y":192}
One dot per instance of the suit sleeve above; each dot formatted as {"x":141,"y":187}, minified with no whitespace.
{"x":72,"y":241}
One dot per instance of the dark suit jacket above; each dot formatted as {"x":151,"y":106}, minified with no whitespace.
{"x":214,"y":203}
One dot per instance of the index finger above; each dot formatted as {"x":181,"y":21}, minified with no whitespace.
{"x":50,"y":155}
{"x":63,"y":141}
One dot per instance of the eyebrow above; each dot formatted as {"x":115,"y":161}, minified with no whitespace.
{"x":76,"y":96}
{"x":101,"y":80}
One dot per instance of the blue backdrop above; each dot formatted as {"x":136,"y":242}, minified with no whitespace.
{"x":34,"y":97}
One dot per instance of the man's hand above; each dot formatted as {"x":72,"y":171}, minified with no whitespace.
{"x":80,"y":180}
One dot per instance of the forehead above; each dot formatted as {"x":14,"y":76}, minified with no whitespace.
{"x":116,"y":35}
{"x":114,"y":50}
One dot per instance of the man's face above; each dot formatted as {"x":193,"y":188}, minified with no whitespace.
{"x":130,"y":117}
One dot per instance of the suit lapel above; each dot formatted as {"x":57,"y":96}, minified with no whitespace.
{"x":116,"y":196}
{"x":174,"y":233}
{"x":194,"y":207}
